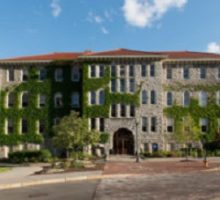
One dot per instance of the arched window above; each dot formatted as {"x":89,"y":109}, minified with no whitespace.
{"x":169,"y":98}
{"x":153,"y":97}
{"x":42,"y":74}
{"x":58,"y":75}
{"x":24,"y":74}
{"x":58,"y":100}
{"x":144,"y":97}
{"x":75,"y":99}
{"x":186,"y":98}
{"x":11,"y":99}
{"x":25,"y":99}
{"x":93,"y":98}
{"x":75,"y":74}
{"x":202,"y":98}
{"x":101,"y":97}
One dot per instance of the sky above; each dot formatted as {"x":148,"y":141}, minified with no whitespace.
{"x":29,"y":27}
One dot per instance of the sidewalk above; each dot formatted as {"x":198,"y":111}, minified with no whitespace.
{"x":23,"y":176}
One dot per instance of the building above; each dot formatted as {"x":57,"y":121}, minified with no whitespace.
{"x":122,"y":92}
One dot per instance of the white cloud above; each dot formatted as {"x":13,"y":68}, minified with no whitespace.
{"x":94,"y":18}
{"x":213,"y":47}
{"x":104,"y":30}
{"x":56,"y":8}
{"x":142,"y":13}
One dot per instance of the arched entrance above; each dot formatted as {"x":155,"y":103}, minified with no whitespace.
{"x":123,"y":142}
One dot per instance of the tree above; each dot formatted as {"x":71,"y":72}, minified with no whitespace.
{"x":187,"y":132}
{"x":72,"y":134}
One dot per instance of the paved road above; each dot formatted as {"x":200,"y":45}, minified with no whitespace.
{"x":67,"y":191}
{"x":187,"y":186}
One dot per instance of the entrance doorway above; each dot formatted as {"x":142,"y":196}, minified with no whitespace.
{"x":123,"y":142}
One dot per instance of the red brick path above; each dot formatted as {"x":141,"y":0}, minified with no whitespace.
{"x":146,"y":167}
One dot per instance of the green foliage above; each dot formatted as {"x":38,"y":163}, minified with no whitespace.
{"x":104,"y":138}
{"x":211,"y":112}
{"x":30,"y":156}
{"x":72,"y":133}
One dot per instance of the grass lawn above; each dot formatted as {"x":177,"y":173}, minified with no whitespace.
{"x":4,"y":169}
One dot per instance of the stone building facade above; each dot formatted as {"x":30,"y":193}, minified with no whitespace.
{"x":140,"y":85}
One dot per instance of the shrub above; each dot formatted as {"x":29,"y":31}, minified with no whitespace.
{"x":80,"y":156}
{"x":103,"y":138}
{"x":30,"y":156}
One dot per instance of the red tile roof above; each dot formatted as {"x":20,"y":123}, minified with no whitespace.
{"x":117,"y":52}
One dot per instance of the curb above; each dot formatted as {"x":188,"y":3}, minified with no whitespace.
{"x":61,"y":180}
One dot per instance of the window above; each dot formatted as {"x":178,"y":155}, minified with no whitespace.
{"x":131,"y":70}
{"x":42,"y":101}
{"x":42,"y":74}
{"x":75,"y":99}
{"x":41,"y":126}
{"x":144,"y":124}
{"x":169,"y":73}
{"x":143,"y":70}
{"x":131,"y":85}
{"x":152,"y":70}
{"x":154,"y":147}
{"x":11,"y":99}
{"x":132,"y":111}
{"x":93,"y":98}
{"x":10,"y":75}
{"x":185,"y":73}
{"x":203,"y":124}
{"x":202,"y":72}
{"x":219,"y":72}
{"x":169,"y":98}
{"x":24,"y":73}
{"x":10,"y":126}
{"x":218,"y":98}
{"x":101,"y":97}
{"x":202,"y":98}
{"x":102,"y":124}
{"x":113,"y":71}
{"x":122,"y":70}
{"x":144,"y":97}
{"x":58,"y":100}
{"x":186,"y":98}
{"x":25,"y":99}
{"x":114,"y":110}
{"x":113,"y":85}
{"x":56,"y":120}
{"x":153,"y":124}
{"x":93,"y":71}
{"x":93,"y":123}
{"x":123,"y":110}
{"x":101,"y":70}
{"x":59,"y":75}
{"x":24,"y":128}
{"x":75,"y":74}
{"x":122,"y":85}
{"x":153,"y":97}
{"x":170,"y":123}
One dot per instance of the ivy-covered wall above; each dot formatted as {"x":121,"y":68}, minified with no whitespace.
{"x":210,"y":112}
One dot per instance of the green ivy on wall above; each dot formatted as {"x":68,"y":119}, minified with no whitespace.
{"x":93,"y":84}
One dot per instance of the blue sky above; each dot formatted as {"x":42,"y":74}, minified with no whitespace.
{"x":41,"y":26}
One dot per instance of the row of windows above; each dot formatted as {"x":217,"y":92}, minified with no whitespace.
{"x":58,"y":75}
{"x":122,"y":110}
{"x":58,"y":100}
{"x":96,"y":71}
{"x":146,"y":98}
{"x":123,"y":85}
{"x":10,"y":126}
{"x":149,"y":124}
{"x":203,"y":98}
{"x":186,"y":73}
{"x":96,"y":97}
{"x":97,"y":124}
